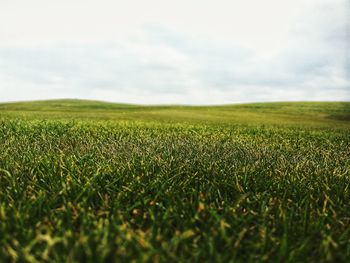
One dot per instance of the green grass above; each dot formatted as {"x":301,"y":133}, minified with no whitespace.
{"x":102,"y":182}
{"x":316,"y":114}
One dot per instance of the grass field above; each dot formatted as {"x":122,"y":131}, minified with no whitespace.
{"x":99,"y":182}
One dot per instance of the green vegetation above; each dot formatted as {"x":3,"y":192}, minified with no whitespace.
{"x":101,"y":182}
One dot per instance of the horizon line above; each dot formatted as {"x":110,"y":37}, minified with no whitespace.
{"x":170,"y":104}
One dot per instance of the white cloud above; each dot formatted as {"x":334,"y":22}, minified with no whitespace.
{"x":193,"y":52}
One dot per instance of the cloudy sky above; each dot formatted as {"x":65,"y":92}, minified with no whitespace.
{"x":183,"y":51}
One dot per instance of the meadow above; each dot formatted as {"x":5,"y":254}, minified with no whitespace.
{"x":89,"y":181}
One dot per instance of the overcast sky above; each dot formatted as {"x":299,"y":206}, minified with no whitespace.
{"x":183,"y":51}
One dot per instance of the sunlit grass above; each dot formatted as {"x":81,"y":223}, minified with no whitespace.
{"x":243,"y":183}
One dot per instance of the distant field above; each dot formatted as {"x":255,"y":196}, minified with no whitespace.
{"x":280,"y":113}
{"x":88,"y":181}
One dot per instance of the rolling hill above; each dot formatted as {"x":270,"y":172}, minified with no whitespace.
{"x":273,"y":113}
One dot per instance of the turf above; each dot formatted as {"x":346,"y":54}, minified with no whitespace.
{"x":88,"y":181}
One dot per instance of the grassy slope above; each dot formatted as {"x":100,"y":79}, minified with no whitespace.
{"x":280,"y":113}
{"x":251,"y":182}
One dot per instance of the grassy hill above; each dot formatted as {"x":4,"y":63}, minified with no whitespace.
{"x":89,"y":181}
{"x":276,"y":113}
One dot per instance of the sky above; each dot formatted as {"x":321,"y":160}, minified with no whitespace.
{"x":175,"y":52}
